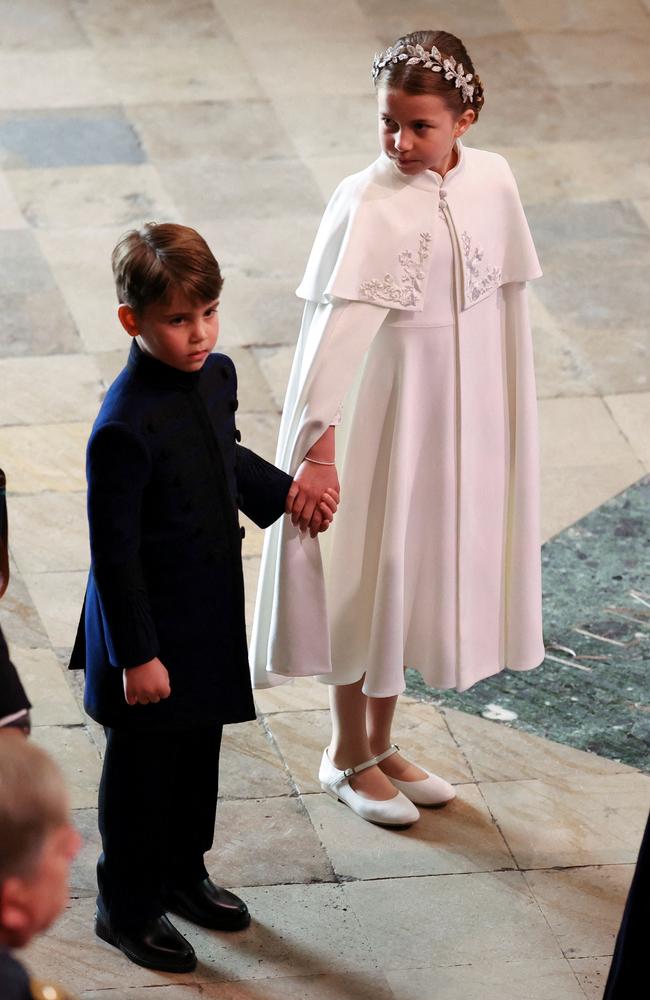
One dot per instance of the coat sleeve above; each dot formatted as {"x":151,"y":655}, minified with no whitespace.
{"x":119,"y":468}
{"x":261,"y":486}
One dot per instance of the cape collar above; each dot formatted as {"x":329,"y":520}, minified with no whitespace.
{"x":429,"y":180}
{"x":158,"y":373}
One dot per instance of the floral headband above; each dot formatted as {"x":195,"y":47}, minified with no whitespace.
{"x":434,"y":60}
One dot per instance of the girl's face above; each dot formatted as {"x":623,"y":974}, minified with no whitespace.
{"x":418,"y":131}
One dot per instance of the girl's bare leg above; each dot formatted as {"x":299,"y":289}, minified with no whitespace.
{"x":379,"y":721}
{"x":350,"y":745}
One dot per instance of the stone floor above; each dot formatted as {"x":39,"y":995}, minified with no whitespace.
{"x":240,"y":118}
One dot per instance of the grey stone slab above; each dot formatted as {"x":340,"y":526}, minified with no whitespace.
{"x":212,"y":129}
{"x":591,"y":974}
{"x":83,"y":873}
{"x":296,"y":930}
{"x":273,"y":248}
{"x":146,"y":993}
{"x":250,"y":766}
{"x":344,"y":122}
{"x":582,"y":222}
{"x":266,"y":842}
{"x":50,"y":532}
{"x":58,"y":28}
{"x":461,"y":837}
{"x":533,"y":978}
{"x":19,"y":618}
{"x":59,"y":599}
{"x":66,"y":139}
{"x":259,"y":311}
{"x":565,"y":62}
{"x":116,"y":195}
{"x":475,"y":17}
{"x":583,"y":906}
{"x":171,"y":22}
{"x":333,"y":986}
{"x":450,"y":920}
{"x":77,"y":757}
{"x":48,"y":389}
{"x":56,"y":78}
{"x":34,"y":315}
{"x":45,"y":680}
{"x":214,"y":189}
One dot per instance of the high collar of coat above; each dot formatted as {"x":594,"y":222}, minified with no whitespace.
{"x":427,"y":180}
{"x":158,"y":373}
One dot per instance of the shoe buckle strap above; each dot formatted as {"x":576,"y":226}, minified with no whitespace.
{"x":393,"y":748}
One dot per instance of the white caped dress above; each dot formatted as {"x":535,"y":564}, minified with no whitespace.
{"x":433,"y":558}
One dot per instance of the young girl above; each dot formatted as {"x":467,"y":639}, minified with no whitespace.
{"x":416,"y":346}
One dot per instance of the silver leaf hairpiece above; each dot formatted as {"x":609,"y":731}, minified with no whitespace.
{"x":433,"y":60}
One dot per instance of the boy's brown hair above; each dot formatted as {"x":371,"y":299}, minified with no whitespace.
{"x":33,"y":803}
{"x":150,"y":263}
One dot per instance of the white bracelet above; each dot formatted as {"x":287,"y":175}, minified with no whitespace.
{"x":316,"y":462}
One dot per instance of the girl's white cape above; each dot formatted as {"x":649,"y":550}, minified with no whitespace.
{"x":372,"y":250}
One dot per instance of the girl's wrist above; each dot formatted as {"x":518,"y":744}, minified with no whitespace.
{"x":318,"y":461}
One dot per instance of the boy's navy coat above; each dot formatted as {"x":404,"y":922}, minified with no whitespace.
{"x":166,"y":475}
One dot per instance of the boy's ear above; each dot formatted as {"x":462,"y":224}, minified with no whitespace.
{"x":128,"y":319}
{"x":14,"y":920}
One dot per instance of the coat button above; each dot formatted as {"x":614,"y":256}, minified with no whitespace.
{"x":242,"y":532}
{"x":234,"y":404}
{"x":238,"y":435}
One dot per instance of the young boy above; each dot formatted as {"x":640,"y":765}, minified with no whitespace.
{"x":37,"y":845}
{"x":162,"y":636}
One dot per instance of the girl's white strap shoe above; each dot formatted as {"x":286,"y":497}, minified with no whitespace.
{"x":430,"y":791}
{"x":398,"y":811}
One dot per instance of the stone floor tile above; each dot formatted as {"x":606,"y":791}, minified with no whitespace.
{"x":115,"y":195}
{"x":83,"y":873}
{"x":250,"y":765}
{"x":10,"y":215}
{"x":564,"y":61}
{"x":49,"y":532}
{"x":297,"y":930}
{"x":58,"y":27}
{"x":58,"y":138}
{"x":149,"y":993}
{"x":534,"y":979}
{"x":620,"y":368}
{"x":35,"y":317}
{"x":18,"y":616}
{"x":37,"y":390}
{"x":583,"y":906}
{"x":496,"y":752}
{"x":45,"y":457}
{"x":570,"y":493}
{"x":461,"y":837}
{"x":266,"y":842}
{"x":419,"y":729}
{"x":471,"y":19}
{"x":67,"y":78}
{"x":451,"y":920}
{"x":631,"y":412}
{"x":347,"y":986}
{"x":269,"y":254}
{"x":259,"y":310}
{"x":587,"y":820}
{"x":280,"y":189}
{"x":573,"y":16}
{"x":72,"y":955}
{"x":305,"y":23}
{"x":53,"y":703}
{"x":252,"y":388}
{"x":211,"y":129}
{"x":81,"y":265}
{"x":77,"y":757}
{"x":344,"y":123}
{"x":58,"y":598}
{"x":169,"y":22}
{"x":295,"y":696}
{"x":153,"y":78}
{"x":561,"y":369}
{"x":275,"y":364}
{"x":591,"y":974}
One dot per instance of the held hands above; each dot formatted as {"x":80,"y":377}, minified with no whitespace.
{"x":313,"y":497}
{"x":146,"y":684}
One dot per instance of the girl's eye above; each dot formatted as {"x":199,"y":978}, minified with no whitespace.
{"x":176,"y":320}
{"x":210,"y":312}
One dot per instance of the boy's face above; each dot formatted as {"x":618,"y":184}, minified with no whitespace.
{"x":179,"y":332}
{"x":28,"y":905}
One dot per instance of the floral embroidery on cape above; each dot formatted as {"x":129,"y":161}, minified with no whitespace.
{"x":480,"y":278}
{"x":407,"y":291}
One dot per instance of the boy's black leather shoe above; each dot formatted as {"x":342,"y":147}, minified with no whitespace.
{"x":210,"y":906}
{"x":155,"y":945}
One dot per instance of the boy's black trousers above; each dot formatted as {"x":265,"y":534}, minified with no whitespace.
{"x":157,"y":809}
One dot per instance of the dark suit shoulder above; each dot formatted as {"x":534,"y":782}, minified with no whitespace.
{"x":219,"y":368}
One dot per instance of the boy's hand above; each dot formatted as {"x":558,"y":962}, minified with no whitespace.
{"x":146,"y":684}
{"x":307,"y":490}
{"x":324,"y":513}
